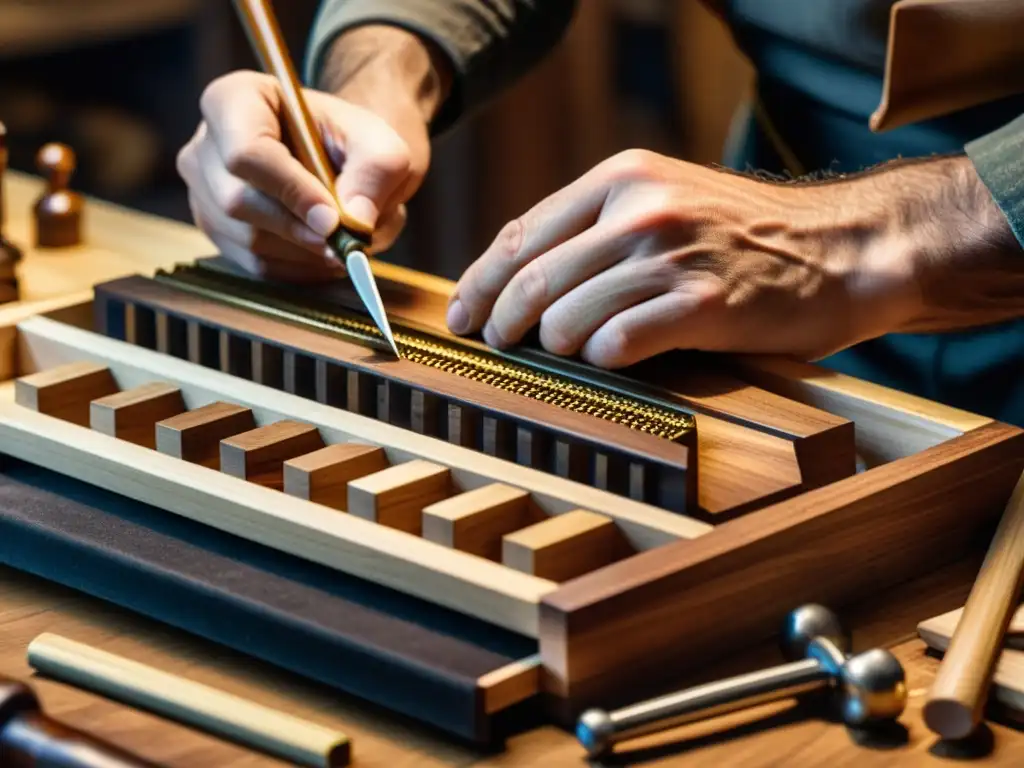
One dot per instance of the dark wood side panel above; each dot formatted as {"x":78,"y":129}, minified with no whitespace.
{"x":686,"y":604}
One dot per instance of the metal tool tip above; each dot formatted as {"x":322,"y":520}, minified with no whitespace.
{"x":362,"y":278}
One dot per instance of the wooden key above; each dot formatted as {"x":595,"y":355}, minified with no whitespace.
{"x":58,"y":212}
{"x":564,"y":546}
{"x":195,"y":435}
{"x":323,"y":476}
{"x":397,"y":496}
{"x":476,"y":521}
{"x":132,"y":415}
{"x":259,"y":455}
{"x":66,"y":391}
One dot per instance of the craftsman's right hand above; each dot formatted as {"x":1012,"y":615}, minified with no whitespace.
{"x":263,"y":209}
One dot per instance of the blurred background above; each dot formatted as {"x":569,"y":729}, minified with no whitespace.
{"x":119,"y":82}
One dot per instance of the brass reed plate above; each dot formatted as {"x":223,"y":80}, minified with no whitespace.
{"x":526,"y":378}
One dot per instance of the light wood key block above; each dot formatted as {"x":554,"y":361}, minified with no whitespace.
{"x":323,"y":476}
{"x":564,"y":546}
{"x":476,"y":521}
{"x":195,"y":436}
{"x":132,"y":415}
{"x":66,"y":391}
{"x":397,"y":496}
{"x":259,"y":455}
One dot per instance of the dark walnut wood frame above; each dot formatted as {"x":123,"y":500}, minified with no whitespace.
{"x":936,"y":480}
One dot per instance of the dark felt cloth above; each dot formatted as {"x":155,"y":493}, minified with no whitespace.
{"x":400,"y":652}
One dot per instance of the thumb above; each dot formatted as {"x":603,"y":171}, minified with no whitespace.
{"x":374,"y":162}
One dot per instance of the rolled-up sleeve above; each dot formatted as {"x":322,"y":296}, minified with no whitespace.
{"x":999,"y":159}
{"x":490,"y":43}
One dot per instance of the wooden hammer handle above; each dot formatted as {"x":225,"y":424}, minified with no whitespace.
{"x":958,"y":696}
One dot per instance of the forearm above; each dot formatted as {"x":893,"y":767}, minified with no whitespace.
{"x":387,"y":70}
{"x":943,"y":225}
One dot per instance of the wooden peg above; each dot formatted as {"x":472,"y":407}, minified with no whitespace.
{"x":564,"y":546}
{"x":66,"y":391}
{"x":259,"y":455}
{"x":132,"y":414}
{"x":476,"y":521}
{"x":58,"y":212}
{"x":396,"y":497}
{"x":10,"y":254}
{"x":323,"y":476}
{"x":195,"y":436}
{"x":958,"y":696}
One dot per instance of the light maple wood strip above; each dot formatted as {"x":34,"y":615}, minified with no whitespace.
{"x":66,"y":391}
{"x":890,"y":424}
{"x":259,"y":455}
{"x":132,"y":414}
{"x":395,"y":497}
{"x":323,"y":476}
{"x":373,"y":552}
{"x":511,"y":684}
{"x":476,"y":521}
{"x":957,"y":699}
{"x":44,"y":343}
{"x":12,"y":314}
{"x":564,"y":547}
{"x":195,"y":435}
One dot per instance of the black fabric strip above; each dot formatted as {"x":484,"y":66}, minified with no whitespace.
{"x":396,"y":651}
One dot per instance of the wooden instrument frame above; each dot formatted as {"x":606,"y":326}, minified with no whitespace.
{"x":937,"y":478}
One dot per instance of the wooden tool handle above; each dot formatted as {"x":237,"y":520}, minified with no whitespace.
{"x":268,"y":43}
{"x":957,"y":699}
{"x":208,"y":709}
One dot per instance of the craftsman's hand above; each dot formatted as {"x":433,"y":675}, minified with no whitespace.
{"x":262,"y":208}
{"x":646,"y":254}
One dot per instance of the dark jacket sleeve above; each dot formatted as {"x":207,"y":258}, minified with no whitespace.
{"x":999,"y":159}
{"x":490,"y":43}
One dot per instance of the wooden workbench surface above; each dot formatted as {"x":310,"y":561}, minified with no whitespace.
{"x":121,"y":242}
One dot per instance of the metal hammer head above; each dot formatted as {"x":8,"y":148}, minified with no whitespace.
{"x":810,"y":622}
{"x":873,"y":688}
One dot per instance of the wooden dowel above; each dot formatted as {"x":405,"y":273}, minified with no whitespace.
{"x":209,"y":709}
{"x":958,"y":696}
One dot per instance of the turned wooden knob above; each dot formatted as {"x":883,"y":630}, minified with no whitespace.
{"x":59,"y":211}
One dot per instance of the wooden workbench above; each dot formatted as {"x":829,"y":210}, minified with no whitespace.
{"x":122,"y":242}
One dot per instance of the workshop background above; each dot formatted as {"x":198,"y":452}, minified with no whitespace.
{"x":120,"y":82}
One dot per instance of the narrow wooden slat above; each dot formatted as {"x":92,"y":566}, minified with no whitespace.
{"x":329,"y":384}
{"x":533,"y":448}
{"x":394,"y":403}
{"x":510,"y":684}
{"x":195,"y":435}
{"x":267,"y":364}
{"x":132,"y":415}
{"x":462,"y":425}
{"x":476,"y":521}
{"x":361,"y":393}
{"x":499,"y":438}
{"x":573,"y":461}
{"x":323,"y":476}
{"x":564,"y":547}
{"x":397,"y":496}
{"x":66,"y":391}
{"x":425,"y":413}
{"x":259,"y":455}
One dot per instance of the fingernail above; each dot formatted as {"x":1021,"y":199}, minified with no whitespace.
{"x":322,"y":219}
{"x":362,"y":210}
{"x":458,"y":317}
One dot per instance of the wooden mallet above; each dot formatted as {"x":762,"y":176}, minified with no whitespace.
{"x":957,"y":699}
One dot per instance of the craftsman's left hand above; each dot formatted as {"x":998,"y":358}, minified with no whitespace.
{"x":645,"y":254}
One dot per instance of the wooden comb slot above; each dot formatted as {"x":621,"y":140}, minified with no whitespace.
{"x":463,"y":425}
{"x":361,"y":391}
{"x":195,"y":436}
{"x":203,"y":345}
{"x":323,"y":476}
{"x":259,"y":455}
{"x":425,"y":413}
{"x":611,"y":473}
{"x":499,"y":438}
{"x":172,"y":335}
{"x":394,"y":403}
{"x":533,"y":448}
{"x":235,"y":355}
{"x":572,"y":461}
{"x":65,"y":392}
{"x":329,"y":384}
{"x":140,"y":325}
{"x":564,"y":546}
{"x":397,"y":496}
{"x":299,"y":374}
{"x":267,"y":365}
{"x":476,"y":521}
{"x":132,"y":415}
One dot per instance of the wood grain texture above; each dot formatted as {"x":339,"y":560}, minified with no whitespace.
{"x":476,"y":521}
{"x":132,"y":414}
{"x":906,"y":517}
{"x":259,"y":454}
{"x":196,"y":434}
{"x":395,"y":497}
{"x":957,"y":699}
{"x":65,"y":392}
{"x":323,"y":476}
{"x":564,"y":547}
